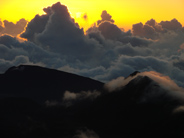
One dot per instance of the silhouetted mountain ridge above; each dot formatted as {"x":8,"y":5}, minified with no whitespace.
{"x":33,"y":105}
{"x":142,"y":108}
{"x":42,"y":83}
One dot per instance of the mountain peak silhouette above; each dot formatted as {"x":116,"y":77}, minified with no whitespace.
{"x":43,"y":84}
{"x":32,"y":105}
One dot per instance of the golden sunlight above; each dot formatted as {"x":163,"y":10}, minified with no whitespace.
{"x":125,"y":13}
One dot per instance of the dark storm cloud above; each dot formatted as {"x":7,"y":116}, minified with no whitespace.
{"x":11,"y":28}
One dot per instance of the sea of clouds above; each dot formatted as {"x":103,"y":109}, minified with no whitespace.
{"x":104,"y":52}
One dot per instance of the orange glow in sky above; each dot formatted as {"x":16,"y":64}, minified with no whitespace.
{"x":124,"y":12}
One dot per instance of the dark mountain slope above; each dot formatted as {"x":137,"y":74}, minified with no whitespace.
{"x":43,"y":84}
{"x":142,"y":108}
{"x":24,"y":90}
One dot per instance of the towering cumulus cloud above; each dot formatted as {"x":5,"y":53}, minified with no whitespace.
{"x":105,"y":17}
{"x":58,"y":32}
{"x":111,"y":31}
{"x":104,"y":52}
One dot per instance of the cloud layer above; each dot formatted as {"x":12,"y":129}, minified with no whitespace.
{"x":104,"y":52}
{"x":153,"y":30}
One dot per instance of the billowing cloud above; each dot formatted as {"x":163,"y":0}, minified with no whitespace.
{"x":105,"y":17}
{"x":152,"y":87}
{"x":110,"y":31}
{"x":116,"y":84}
{"x":4,"y":64}
{"x":164,"y":81}
{"x":59,"y":33}
{"x":12,"y":29}
{"x":13,"y":52}
{"x":104,"y":53}
{"x":144,"y":30}
{"x":152,"y":29}
{"x":171,"y":25}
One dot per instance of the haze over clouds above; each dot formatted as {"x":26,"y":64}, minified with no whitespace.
{"x":104,"y":53}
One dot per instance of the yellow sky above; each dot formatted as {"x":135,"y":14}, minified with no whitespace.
{"x":124,"y":12}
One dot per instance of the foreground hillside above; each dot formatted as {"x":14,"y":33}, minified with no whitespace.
{"x":44,"y":103}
